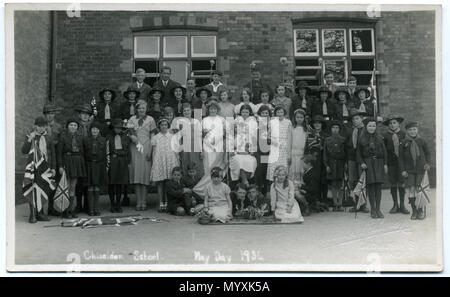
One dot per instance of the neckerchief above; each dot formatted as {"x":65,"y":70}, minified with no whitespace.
{"x":414,"y":148}
{"x":395,"y":140}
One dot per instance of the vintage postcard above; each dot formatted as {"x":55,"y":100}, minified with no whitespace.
{"x":224,"y":137}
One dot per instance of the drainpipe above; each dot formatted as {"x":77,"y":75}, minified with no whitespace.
{"x":53,"y":32}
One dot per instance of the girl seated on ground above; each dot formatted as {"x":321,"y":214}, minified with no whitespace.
{"x":283,"y":203}
{"x":217,"y":198}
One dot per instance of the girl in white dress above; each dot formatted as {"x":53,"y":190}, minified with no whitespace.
{"x":280,"y":137}
{"x":165,"y":158}
{"x":243,"y":162}
{"x":298,"y":135}
{"x":282,"y":198}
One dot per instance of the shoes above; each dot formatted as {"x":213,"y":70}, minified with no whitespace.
{"x":373,"y":214}
{"x":380,"y":214}
{"x":394,"y":209}
{"x":403,"y":210}
{"x":126,"y":201}
{"x":42,"y":218}
{"x":421,"y":214}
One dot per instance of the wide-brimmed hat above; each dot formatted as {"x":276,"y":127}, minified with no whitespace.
{"x":40,"y":121}
{"x":183,"y":89}
{"x":334,"y":123}
{"x":86,"y":108}
{"x":302,"y":85}
{"x":324,"y":89}
{"x":96,"y":124}
{"x":393,"y":117}
{"x":318,"y":118}
{"x":130,"y":90}
{"x":199,"y":90}
{"x":50,"y":107}
{"x":369,"y":119}
{"x":341,"y":90}
{"x":72,"y":120}
{"x":362,"y":89}
{"x":355,"y":112}
{"x":117,"y":123}
{"x":156,"y":89}
{"x":411,"y":124}
{"x":102,"y":92}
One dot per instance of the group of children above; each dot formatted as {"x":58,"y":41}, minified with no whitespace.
{"x":279,"y":154}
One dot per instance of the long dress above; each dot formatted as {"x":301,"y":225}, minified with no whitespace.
{"x":140,"y":167}
{"x":165,"y":156}
{"x":218,"y":203}
{"x":282,"y":200}
{"x":214,"y":154}
{"x":279,"y":147}
{"x":298,"y":138}
{"x":246,"y":146}
{"x":189,"y":131}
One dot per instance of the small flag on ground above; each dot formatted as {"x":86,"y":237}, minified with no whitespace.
{"x":61,"y":201}
{"x":423,"y":192}
{"x":37,"y":183}
{"x":360,"y":190}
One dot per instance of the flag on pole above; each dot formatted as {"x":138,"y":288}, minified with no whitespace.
{"x":423,"y":192}
{"x":37,"y":183}
{"x":360,"y":190}
{"x":61,"y":201}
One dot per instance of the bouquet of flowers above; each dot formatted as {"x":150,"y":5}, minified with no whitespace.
{"x":203,"y":216}
{"x":252,"y":213}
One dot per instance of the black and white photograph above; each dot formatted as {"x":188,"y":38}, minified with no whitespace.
{"x":224,"y":137}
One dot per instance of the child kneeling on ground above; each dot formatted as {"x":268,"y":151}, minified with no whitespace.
{"x":179,"y":198}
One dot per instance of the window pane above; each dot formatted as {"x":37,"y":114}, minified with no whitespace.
{"x":334,"y":42}
{"x":338,"y":68}
{"x":306,"y":42}
{"x":148,"y":66}
{"x":175,"y":46}
{"x":179,"y":70}
{"x":362,"y":41}
{"x":203,"y":65}
{"x":362,"y":64}
{"x":203,"y":46}
{"x":304,"y":62}
{"x":146,"y":47}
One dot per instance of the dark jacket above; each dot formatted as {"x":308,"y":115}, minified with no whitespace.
{"x":123,"y":112}
{"x":94,"y":149}
{"x":144,"y":91}
{"x":113,"y":107}
{"x":392,"y":158}
{"x":372,"y":152}
{"x":340,"y":112}
{"x":125,"y":146}
{"x":334,"y":148}
{"x":350,"y":149}
{"x":406,"y":161}
{"x":84,"y":130}
{"x":314,"y":143}
{"x":190,"y":182}
{"x":65,"y":146}
{"x":317,"y":109}
{"x":170,"y":85}
{"x":297,"y":104}
{"x":51,"y":152}
{"x":368,"y":104}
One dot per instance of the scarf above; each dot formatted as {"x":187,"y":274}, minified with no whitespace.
{"x":132,"y":112}
{"x":42,"y":143}
{"x":304,"y":103}
{"x":395,"y":140}
{"x":362,"y":107}
{"x":117,"y":142}
{"x":344,"y":110}
{"x":413,"y":149}
{"x":324,"y":108}
{"x":107,"y":112}
{"x":355,"y":135}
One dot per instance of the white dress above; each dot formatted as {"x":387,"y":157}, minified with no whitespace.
{"x":298,"y":138}
{"x":283,"y":202}
{"x":279,"y":147}
{"x":165,"y":156}
{"x":246,"y":140}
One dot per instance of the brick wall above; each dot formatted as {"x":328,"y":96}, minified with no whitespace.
{"x":32,"y":62}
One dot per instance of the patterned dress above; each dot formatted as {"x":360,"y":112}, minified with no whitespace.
{"x":165,"y":156}
{"x":279,"y":148}
{"x":140,"y":167}
{"x":299,"y":136}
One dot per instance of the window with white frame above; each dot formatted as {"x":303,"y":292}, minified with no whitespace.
{"x":342,"y":48}
{"x":189,"y":54}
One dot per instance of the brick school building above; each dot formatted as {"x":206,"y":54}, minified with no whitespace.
{"x":68,"y":59}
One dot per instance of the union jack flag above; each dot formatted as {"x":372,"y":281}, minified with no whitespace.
{"x":360,"y":190}
{"x":38,"y":183}
{"x":423,"y":192}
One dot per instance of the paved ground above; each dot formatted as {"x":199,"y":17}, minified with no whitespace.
{"x":326,"y":238}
